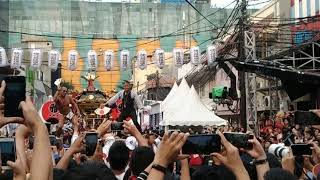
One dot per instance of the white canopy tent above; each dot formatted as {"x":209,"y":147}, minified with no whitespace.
{"x":175,"y":102}
{"x":169,"y":96}
{"x":190,"y":111}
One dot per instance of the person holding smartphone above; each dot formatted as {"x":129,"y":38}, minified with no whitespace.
{"x":129,"y":102}
{"x":63,"y":101}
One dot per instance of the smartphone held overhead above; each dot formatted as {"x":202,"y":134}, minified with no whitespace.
{"x":91,"y":140}
{"x":117,"y":126}
{"x":8,"y":151}
{"x":301,"y":149}
{"x":239,"y":140}
{"x":204,"y":144}
{"x":14,"y":93}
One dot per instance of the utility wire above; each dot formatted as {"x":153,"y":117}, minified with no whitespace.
{"x":199,"y":12}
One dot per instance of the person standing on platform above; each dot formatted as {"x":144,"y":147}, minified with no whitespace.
{"x":129,"y":103}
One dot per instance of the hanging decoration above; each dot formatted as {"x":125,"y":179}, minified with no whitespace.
{"x":3,"y":57}
{"x":159,"y":58}
{"x":195,"y":55}
{"x":211,"y":54}
{"x":178,"y":56}
{"x":16,"y":58}
{"x":72,"y":60}
{"x":142,"y":59}
{"x":124,"y":60}
{"x":36,"y":59}
{"x":108,"y":59}
{"x":53,"y":59}
{"x":92,"y":60}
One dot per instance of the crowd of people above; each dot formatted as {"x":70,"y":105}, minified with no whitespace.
{"x":131,"y":154}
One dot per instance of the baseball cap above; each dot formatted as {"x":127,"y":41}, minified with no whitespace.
{"x":131,"y":143}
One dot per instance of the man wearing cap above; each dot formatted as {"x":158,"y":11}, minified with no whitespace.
{"x":129,"y":102}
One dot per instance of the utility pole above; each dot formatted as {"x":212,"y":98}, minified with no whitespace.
{"x":157,"y":84}
{"x":241,"y":57}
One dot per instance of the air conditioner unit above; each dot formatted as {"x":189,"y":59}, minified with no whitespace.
{"x":266,"y":102}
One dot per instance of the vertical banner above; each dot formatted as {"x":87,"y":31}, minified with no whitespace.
{"x":36,"y":59}
{"x":16,"y":58}
{"x":53,"y":59}
{"x":92,"y":60}
{"x":142,"y":59}
{"x":108,"y":59}
{"x":124,"y":60}
{"x":195,"y":55}
{"x":178,"y":57}
{"x":159,"y":58}
{"x":3,"y":57}
{"x":72,"y":60}
{"x":211,"y":54}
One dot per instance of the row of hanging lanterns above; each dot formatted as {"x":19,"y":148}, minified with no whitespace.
{"x":54,"y":57}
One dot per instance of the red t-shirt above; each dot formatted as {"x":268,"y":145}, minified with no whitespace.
{"x":279,"y":125}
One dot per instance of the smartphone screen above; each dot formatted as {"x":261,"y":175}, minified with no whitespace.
{"x":8,"y":150}
{"x":301,"y":149}
{"x":91,"y":143}
{"x":14,"y":93}
{"x":239,"y":140}
{"x":204,"y":144}
{"x":118,"y":126}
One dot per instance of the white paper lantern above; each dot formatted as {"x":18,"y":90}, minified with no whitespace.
{"x":36,"y":59}
{"x":108,"y":59}
{"x":159,"y":58}
{"x":178,"y":56}
{"x":3,"y":57}
{"x":211,"y":54}
{"x":195,"y":55}
{"x":16,"y":58}
{"x":53,"y":59}
{"x":124,"y":60}
{"x":142,"y":59}
{"x":92,"y":60}
{"x":72,"y":60}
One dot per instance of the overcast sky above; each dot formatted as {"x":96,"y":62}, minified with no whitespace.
{"x":223,"y":3}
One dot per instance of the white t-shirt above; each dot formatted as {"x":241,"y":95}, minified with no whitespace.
{"x":120,"y":176}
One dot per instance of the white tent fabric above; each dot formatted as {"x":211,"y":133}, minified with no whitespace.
{"x":193,"y":113}
{"x":175,"y":102}
{"x":170,"y":95}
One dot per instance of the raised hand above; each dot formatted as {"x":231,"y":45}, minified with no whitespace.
{"x":104,"y":128}
{"x":131,"y":128}
{"x":170,"y":148}
{"x":19,"y":172}
{"x":257,"y":152}
{"x":78,"y":145}
{"x":31,"y":117}
{"x":6,"y":120}
{"x":232,"y":159}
